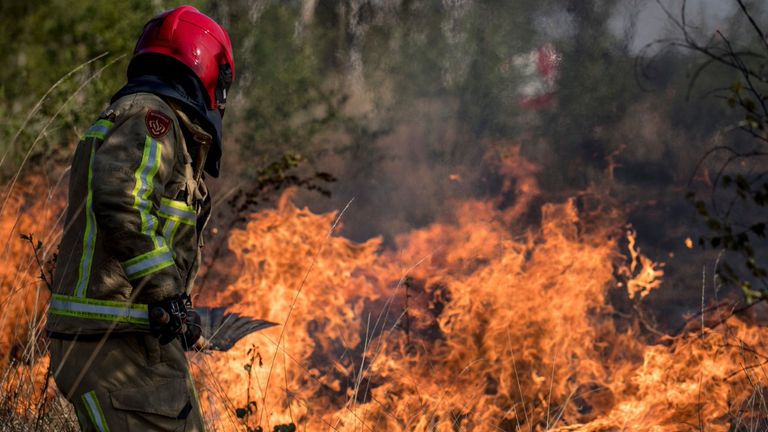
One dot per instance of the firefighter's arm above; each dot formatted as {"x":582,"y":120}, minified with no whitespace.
{"x":130,"y":170}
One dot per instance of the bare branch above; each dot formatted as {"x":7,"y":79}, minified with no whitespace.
{"x":755,"y":27}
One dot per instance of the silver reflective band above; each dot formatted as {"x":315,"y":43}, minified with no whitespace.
{"x":95,"y":412}
{"x":97,"y":131}
{"x":102,"y":310}
{"x":144,"y":175}
{"x":188,"y":215}
{"x":160,"y":261}
{"x":89,"y":237}
{"x":168,"y":230}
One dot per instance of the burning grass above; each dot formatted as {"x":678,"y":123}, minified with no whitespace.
{"x":461,"y":326}
{"x":27,"y":400}
{"x":464,"y":327}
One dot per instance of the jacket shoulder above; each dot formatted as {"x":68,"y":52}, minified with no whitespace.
{"x":136,"y":104}
{"x":146,"y":112}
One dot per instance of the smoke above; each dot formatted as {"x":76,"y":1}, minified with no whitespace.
{"x":649,"y":21}
{"x":415,"y":106}
{"x":434,"y":95}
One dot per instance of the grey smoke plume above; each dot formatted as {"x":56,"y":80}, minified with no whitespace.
{"x":436,"y":89}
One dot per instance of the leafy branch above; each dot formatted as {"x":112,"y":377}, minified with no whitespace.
{"x":735,"y":213}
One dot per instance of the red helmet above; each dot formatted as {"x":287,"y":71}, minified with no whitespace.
{"x":197,"y":41}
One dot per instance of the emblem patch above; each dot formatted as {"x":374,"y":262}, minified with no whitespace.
{"x":158,"y":123}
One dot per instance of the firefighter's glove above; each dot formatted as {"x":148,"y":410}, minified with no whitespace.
{"x":193,"y":330}
{"x":174,"y":318}
{"x":222,"y":330}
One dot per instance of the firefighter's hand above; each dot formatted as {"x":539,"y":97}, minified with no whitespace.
{"x":175,"y":318}
{"x":164,"y":324}
{"x":193,"y":331}
{"x":221,"y":330}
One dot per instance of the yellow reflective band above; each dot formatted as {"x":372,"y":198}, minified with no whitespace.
{"x":178,"y":211}
{"x":148,"y":263}
{"x":103,"y":310}
{"x":170,"y":229}
{"x":89,"y":235}
{"x":145,"y":175}
{"x":94,"y":411}
{"x":99,"y":130}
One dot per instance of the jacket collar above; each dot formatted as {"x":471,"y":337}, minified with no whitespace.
{"x":191,"y":101}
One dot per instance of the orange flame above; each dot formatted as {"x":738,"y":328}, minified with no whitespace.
{"x":23,"y":294}
{"x":644,"y":275}
{"x":462,"y":326}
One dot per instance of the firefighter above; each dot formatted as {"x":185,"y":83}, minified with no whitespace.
{"x":120,"y":317}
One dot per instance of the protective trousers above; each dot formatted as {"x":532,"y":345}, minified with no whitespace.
{"x":127,"y":382}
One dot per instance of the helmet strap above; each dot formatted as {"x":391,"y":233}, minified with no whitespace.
{"x":222,"y":87}
{"x":202,"y":140}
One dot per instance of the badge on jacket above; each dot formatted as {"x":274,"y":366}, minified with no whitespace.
{"x":158,"y":123}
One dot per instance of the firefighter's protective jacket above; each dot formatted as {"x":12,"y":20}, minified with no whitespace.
{"x":132,"y":232}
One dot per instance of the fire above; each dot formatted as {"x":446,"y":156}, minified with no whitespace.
{"x":471,"y":323}
{"x":643,"y":274}
{"x":464,"y":327}
{"x":24,"y":210}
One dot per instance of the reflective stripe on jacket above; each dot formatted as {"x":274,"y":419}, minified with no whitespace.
{"x":131,"y":227}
